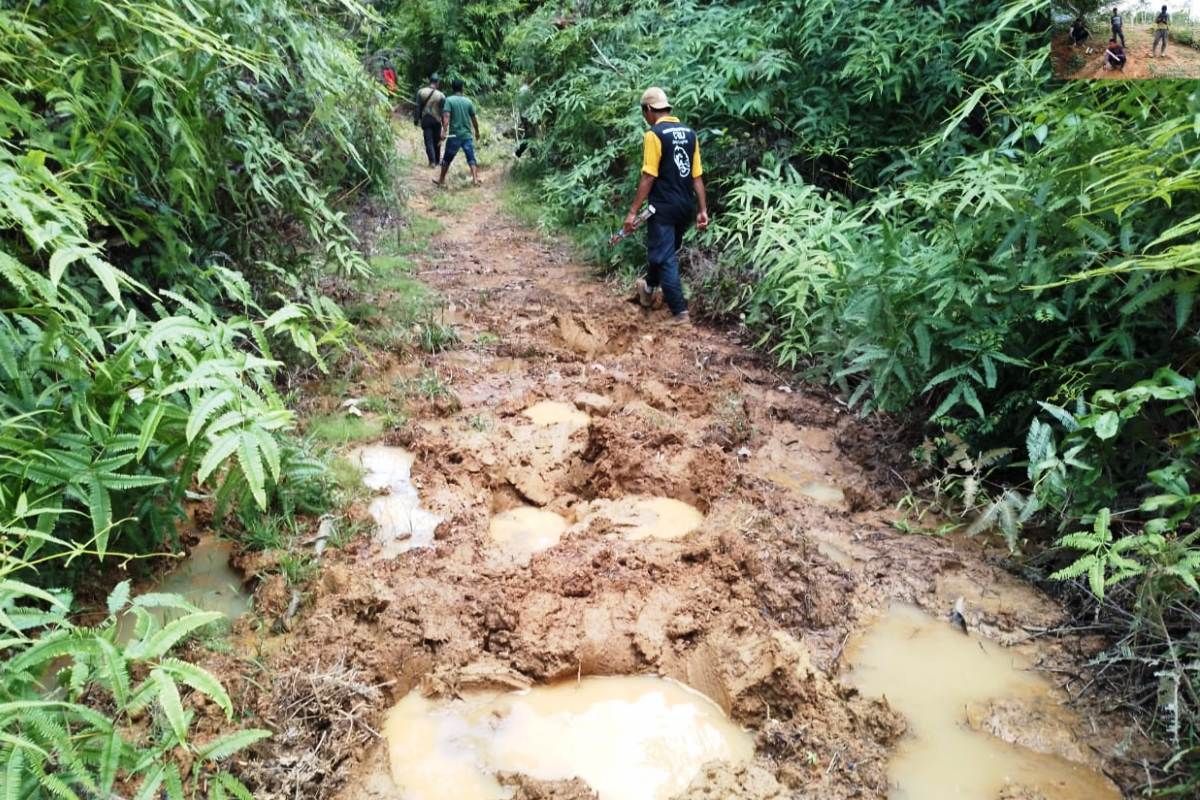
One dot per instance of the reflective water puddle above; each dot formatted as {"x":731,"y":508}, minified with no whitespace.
{"x":628,"y":738}
{"x":553,"y":412}
{"x":521,"y":532}
{"x":638,"y":517}
{"x":206,"y":580}
{"x":934,"y":675}
{"x":823,"y":493}
{"x":402,"y":523}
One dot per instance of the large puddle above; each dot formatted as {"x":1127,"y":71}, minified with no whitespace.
{"x":402,"y":523}
{"x":628,"y":738}
{"x":204,"y":578}
{"x":935,"y":676}
{"x":552,"y":412}
{"x":637,"y":517}
{"x":520,"y":532}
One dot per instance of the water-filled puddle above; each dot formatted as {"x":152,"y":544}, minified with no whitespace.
{"x":823,"y":493}
{"x":552,"y":412}
{"x":402,"y":523}
{"x":520,"y":532}
{"x":206,"y":580}
{"x":628,"y":738}
{"x":638,"y":517}
{"x":933,"y":675}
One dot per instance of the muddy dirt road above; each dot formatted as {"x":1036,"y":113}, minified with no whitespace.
{"x":613,"y":495}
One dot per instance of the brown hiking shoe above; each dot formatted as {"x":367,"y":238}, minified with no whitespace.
{"x":682,"y":318}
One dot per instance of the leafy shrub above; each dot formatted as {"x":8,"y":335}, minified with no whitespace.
{"x":75,"y":700}
{"x":166,"y":205}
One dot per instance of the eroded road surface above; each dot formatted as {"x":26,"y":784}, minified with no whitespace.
{"x":617,"y":496}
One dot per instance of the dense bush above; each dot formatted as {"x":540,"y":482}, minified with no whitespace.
{"x":168,"y":177}
{"x":456,"y":38}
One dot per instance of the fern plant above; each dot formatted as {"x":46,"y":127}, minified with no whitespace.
{"x":85,"y":709}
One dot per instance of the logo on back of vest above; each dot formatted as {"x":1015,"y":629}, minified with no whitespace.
{"x":682,"y":162}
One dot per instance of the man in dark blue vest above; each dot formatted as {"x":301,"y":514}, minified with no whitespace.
{"x":672,"y":181}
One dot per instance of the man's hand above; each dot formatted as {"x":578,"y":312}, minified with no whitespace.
{"x":630,"y":223}
{"x":702,"y":220}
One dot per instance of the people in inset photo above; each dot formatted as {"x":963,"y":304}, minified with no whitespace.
{"x":1079,"y":32}
{"x":1161,"y":24}
{"x":1114,"y":55}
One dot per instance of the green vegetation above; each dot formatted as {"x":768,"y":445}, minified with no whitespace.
{"x":167,"y":203}
{"x":75,"y":699}
{"x":907,"y":207}
{"x":341,"y":428}
{"x":173,"y":177}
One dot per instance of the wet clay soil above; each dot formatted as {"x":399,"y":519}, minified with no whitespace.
{"x":769,"y":549}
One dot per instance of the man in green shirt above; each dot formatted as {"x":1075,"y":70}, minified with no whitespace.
{"x":458,"y":121}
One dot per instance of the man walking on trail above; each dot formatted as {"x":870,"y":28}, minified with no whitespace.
{"x":1117,"y":32}
{"x":458,"y":121}
{"x":672,"y":181}
{"x":1161,"y":24}
{"x":429,"y":116}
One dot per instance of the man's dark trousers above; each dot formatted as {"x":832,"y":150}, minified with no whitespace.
{"x":432,"y":128}
{"x":663,"y":240}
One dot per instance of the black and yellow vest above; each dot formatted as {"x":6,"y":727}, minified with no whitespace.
{"x":672,"y":195}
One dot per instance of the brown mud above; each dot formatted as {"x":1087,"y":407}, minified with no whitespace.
{"x":792,"y":558}
{"x":1179,"y":61}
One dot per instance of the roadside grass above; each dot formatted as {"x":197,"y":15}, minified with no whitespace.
{"x":339,"y":428}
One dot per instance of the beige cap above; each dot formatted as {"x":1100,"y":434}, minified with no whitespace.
{"x":655,"y":98}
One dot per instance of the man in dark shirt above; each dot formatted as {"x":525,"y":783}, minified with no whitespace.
{"x":428,"y":114}
{"x":1114,"y":56}
{"x":672,"y":181}
{"x":1079,"y":32}
{"x":1162,"y":24}
{"x":1117,"y":32}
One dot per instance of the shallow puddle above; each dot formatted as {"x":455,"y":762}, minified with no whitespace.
{"x":552,"y":412}
{"x":628,"y":738}
{"x":403,"y":523}
{"x":933,"y":674}
{"x":521,"y":532}
{"x":823,"y":493}
{"x":205,"y":579}
{"x":639,"y":517}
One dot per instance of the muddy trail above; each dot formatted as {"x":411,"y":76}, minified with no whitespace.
{"x":1087,"y":60}
{"x":688,"y":554}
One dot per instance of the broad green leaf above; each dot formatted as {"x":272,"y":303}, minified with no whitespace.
{"x":118,"y":597}
{"x":199,"y":679}
{"x":1106,"y":425}
{"x":230,"y":743}
{"x":170,"y":703}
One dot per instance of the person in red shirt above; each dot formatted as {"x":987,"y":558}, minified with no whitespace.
{"x":389,"y":79}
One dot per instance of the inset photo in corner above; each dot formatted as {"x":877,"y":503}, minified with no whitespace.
{"x":1127,"y":40}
